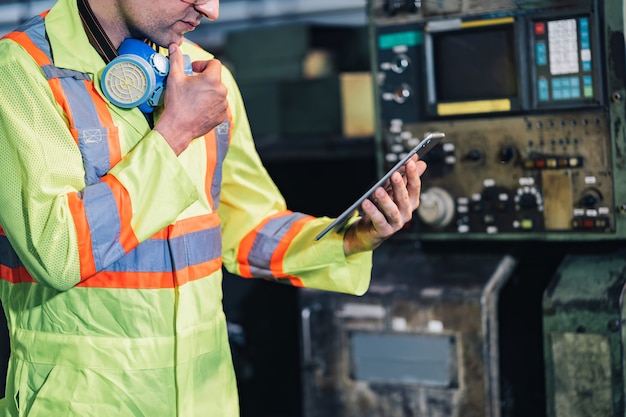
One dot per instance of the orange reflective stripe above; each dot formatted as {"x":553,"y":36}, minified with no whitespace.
{"x":276,"y":265}
{"x":128,"y":239}
{"x":189,"y":225}
{"x":85,"y":249}
{"x":152,"y":280}
{"x":245,"y":247}
{"x":211,"y":163}
{"x":15,"y":275}
{"x":195,"y":272}
{"x":126,"y":280}
{"x":261,"y":257}
{"x":194,"y":224}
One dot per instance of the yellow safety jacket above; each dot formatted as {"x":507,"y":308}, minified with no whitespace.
{"x":111,"y":246}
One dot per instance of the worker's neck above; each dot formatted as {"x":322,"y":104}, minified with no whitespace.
{"x":110,"y":19}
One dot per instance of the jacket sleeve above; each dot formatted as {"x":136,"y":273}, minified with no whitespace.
{"x":62,"y":230}
{"x":263,"y":239}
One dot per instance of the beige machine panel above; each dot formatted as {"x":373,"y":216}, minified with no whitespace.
{"x":517,"y":174}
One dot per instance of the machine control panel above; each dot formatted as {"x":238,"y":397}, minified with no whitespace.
{"x":527,"y":175}
{"x":531,"y":105}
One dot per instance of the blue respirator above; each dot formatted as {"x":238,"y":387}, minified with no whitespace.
{"x":136,"y":78}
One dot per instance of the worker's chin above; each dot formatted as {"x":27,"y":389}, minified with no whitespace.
{"x":166,"y":41}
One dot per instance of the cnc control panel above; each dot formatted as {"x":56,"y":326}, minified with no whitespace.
{"x":530,"y":97}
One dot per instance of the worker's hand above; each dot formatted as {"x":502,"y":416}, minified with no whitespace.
{"x":387,"y":211}
{"x":193,"y":105}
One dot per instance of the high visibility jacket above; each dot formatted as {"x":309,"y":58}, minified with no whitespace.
{"x":111,"y":246}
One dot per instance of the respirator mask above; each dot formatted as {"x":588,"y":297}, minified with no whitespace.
{"x":136,"y":78}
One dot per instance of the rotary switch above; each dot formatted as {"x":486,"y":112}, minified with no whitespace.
{"x":436,"y":207}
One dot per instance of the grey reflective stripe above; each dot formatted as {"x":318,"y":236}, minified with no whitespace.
{"x":222,"y":135}
{"x":104,"y":224}
{"x":33,"y":28}
{"x":93,"y":142}
{"x":93,"y":139}
{"x":53,"y":72}
{"x":266,"y":242}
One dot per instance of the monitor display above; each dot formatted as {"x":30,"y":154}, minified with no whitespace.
{"x":475,"y":64}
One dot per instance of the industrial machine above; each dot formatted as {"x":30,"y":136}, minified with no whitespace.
{"x":530,"y":96}
{"x":422,"y":342}
{"x":584,"y":337}
{"x":503,"y":297}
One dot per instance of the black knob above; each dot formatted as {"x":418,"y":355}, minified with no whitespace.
{"x":589,"y":200}
{"x":507,"y":154}
{"x":528,"y":201}
{"x":400,"y":63}
{"x":474,"y":155}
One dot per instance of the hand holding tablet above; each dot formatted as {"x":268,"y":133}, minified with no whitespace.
{"x":429,"y":141}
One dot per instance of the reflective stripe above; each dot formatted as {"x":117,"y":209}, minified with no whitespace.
{"x":157,"y":255}
{"x":155,"y":263}
{"x":110,"y":254}
{"x":262,"y":252}
{"x":153,"y":280}
{"x":91,"y":124}
{"x":93,"y":141}
{"x":76,"y":100}
{"x":52,"y":72}
{"x":104,"y":223}
{"x":15,"y":275}
{"x":223,"y":135}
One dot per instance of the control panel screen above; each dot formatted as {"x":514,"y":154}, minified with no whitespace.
{"x":475,"y":64}
{"x":563,"y":60}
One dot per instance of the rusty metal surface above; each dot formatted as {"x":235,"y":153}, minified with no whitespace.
{"x":412,"y":294}
{"x":583,"y":336}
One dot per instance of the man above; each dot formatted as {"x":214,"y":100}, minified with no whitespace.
{"x":115,"y":224}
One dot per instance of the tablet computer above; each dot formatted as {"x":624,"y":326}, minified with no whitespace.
{"x":429,"y":141}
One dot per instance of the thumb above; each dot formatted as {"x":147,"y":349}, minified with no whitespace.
{"x":176,"y":60}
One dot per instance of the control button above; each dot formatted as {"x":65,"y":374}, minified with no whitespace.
{"x":589,"y":223}
{"x":588,"y":86}
{"x":507,"y":154}
{"x":543,"y":89}
{"x":474,"y":155}
{"x":489,"y":219}
{"x":589,"y":201}
{"x":527,"y":224}
{"x":436,"y":207}
{"x":602,"y":223}
{"x":402,"y":93}
{"x":541,"y":54}
{"x":591,"y":198}
{"x":527,"y":201}
{"x":400,"y":64}
{"x":540,"y":28}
